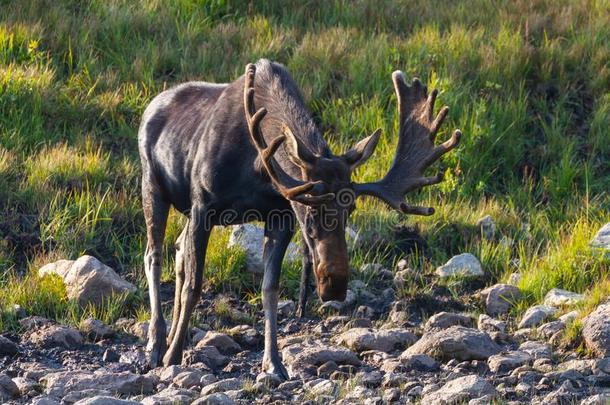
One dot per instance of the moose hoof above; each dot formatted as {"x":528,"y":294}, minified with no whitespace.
{"x":275,"y":367}
{"x":156,"y":347}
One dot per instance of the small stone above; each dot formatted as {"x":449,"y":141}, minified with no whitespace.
{"x":110,"y":356}
{"x":569,"y":317}
{"x":218,"y":398}
{"x":537,"y":350}
{"x":95,"y":329}
{"x":514,"y":279}
{"x":285,"y":308}
{"x":361,"y":339}
{"x":224,"y":343}
{"x":209,"y":355}
{"x":56,"y":336}
{"x":536,"y":315}
{"x":17,"y":311}
{"x":499,"y":298}
{"x":391,"y":395}
{"x":459,"y":390}
{"x":443,"y":320}
{"x":370,"y":378}
{"x":489,"y":324}
{"x":503,"y":363}
{"x":269,"y":380}
{"x":188,"y":379}
{"x":487,"y":226}
{"x":417,"y":362}
{"x":8,"y":347}
{"x":8,"y":389}
{"x":465,"y":264}
{"x":104,"y":400}
{"x":550,"y":328}
{"x":327,"y":368}
{"x":221,"y":386}
{"x":170,"y":396}
{"x":558,"y":297}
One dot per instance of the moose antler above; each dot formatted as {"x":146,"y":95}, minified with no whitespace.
{"x":415,"y":151}
{"x":292,"y":189}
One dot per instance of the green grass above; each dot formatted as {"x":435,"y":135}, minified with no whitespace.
{"x":527,"y":82}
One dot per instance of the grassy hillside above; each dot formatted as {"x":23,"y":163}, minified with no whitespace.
{"x":528,"y":82}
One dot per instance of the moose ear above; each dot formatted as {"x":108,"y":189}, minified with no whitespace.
{"x":362,"y":151}
{"x":297,"y":151}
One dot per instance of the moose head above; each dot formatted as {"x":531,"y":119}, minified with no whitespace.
{"x":325,"y":195}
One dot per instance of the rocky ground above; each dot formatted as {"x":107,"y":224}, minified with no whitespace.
{"x":373,"y":348}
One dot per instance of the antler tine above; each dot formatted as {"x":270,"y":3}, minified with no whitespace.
{"x":415,"y":151}
{"x":290,"y":188}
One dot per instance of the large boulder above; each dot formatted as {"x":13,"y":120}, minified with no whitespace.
{"x":456,"y":342}
{"x":465,"y":265}
{"x":596,"y":330}
{"x":386,"y":340}
{"x":460,"y":390}
{"x":88,"y":280}
{"x":250,"y":238}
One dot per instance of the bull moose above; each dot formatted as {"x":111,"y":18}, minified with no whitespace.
{"x":207,"y":151}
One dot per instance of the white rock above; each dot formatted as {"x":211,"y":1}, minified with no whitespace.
{"x":464,"y":264}
{"x":88,"y":280}
{"x":558,"y":297}
{"x":499,"y":298}
{"x":460,"y":390}
{"x":224,"y":343}
{"x":569,"y":317}
{"x":536,"y":315}
{"x":250,"y":238}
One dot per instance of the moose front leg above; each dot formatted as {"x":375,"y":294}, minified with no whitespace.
{"x":195,"y":244}
{"x":277,"y":238}
{"x":305,"y":279}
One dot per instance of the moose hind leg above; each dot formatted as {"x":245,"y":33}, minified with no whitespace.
{"x":195,"y":244}
{"x":155,"y":213}
{"x":276,"y":242}
{"x":179,"y":265}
